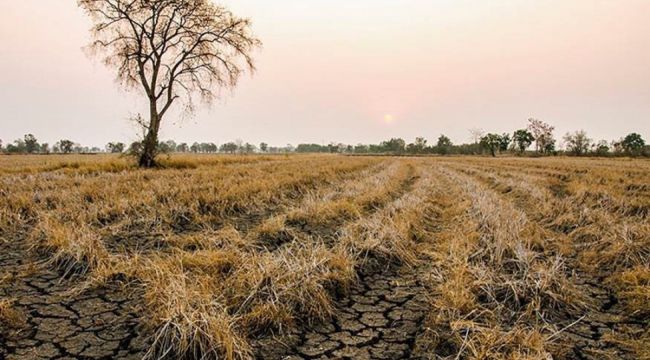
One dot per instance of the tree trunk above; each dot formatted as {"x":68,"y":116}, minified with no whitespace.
{"x":150,"y":143}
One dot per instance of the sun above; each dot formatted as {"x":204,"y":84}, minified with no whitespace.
{"x":388,"y":118}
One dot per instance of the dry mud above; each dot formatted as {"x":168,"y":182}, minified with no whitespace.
{"x":55,"y":324}
{"x":380,"y":318}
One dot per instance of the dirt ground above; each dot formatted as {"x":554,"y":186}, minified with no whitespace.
{"x":386,"y":308}
{"x":57,"y":324}
{"x":380,"y":318}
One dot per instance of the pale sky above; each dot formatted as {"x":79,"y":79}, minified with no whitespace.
{"x":336,"y":70}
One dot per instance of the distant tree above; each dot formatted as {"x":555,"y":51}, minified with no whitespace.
{"x":476,"y":134}
{"x":492,"y":142}
{"x":264,"y":147}
{"x":249,"y":148}
{"x":31,"y":144}
{"x":66,"y":146}
{"x":543,"y":134}
{"x":313,"y":148}
{"x":229,"y":147}
{"x":115,"y":147}
{"x":45,"y":148}
{"x":522,"y":138}
{"x":361,"y":149}
{"x":170,"y":146}
{"x":549,"y":147}
{"x":173,"y":49}
{"x":164,"y":148}
{"x":443,"y":145}
{"x":1,"y":145}
{"x":633,"y":144}
{"x":600,"y":148}
{"x":18,"y":147}
{"x":504,"y":142}
{"x":195,"y":148}
{"x":418,"y":146}
{"x":394,"y":145}
{"x":135,"y":148}
{"x":577,"y":143}
{"x":182,"y":148}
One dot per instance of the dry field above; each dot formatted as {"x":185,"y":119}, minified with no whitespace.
{"x":317,"y":257}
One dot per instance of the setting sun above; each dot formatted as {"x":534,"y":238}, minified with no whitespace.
{"x":388,"y":118}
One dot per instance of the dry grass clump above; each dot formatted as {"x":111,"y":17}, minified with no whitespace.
{"x":75,"y":249}
{"x":354,"y":199}
{"x":633,"y":289}
{"x":10,"y":316}
{"x":391,"y":234}
{"x":498,"y":293}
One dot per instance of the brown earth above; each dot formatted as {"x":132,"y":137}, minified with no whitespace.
{"x":57,"y":324}
{"x":380,"y":318}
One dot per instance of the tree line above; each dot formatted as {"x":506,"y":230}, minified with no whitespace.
{"x":536,"y":139}
{"x":537,"y":134}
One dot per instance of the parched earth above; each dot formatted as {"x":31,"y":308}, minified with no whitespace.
{"x":606,"y":317}
{"x":379,"y":319}
{"x":55,"y":324}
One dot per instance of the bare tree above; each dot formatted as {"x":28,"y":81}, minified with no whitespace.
{"x":578,"y":142}
{"x":172,"y":49}
{"x":543,"y":134}
{"x":476,"y":134}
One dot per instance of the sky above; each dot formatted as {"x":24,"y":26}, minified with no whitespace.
{"x":357,"y":71}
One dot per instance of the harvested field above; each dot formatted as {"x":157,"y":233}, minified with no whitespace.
{"x":314,"y":257}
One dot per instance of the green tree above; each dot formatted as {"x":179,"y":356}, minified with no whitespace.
{"x":492,"y":142}
{"x":444,"y":145}
{"x":361,"y":149}
{"x":633,"y":144}
{"x":31,"y":144}
{"x":66,"y":146}
{"x":394,"y":145}
{"x":577,"y":143}
{"x":504,"y":142}
{"x":418,"y":146}
{"x":115,"y":147}
{"x":601,"y":148}
{"x":264,"y":147}
{"x":249,"y":148}
{"x":18,"y":147}
{"x":522,"y":138}
{"x":182,"y":148}
{"x":229,"y":147}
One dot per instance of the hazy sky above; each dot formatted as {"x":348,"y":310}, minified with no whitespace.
{"x":337,"y":70}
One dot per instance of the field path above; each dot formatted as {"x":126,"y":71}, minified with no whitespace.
{"x":101,"y":324}
{"x":379,"y":319}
